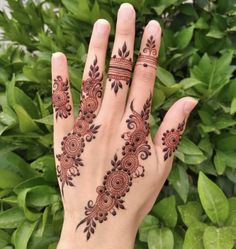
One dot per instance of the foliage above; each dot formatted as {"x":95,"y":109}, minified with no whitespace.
{"x":196,"y":208}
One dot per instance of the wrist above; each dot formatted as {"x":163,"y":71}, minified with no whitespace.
{"x":106,"y":236}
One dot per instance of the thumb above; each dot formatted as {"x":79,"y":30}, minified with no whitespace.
{"x":170,"y":131}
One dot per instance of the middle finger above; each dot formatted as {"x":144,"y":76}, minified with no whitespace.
{"x":120,"y":67}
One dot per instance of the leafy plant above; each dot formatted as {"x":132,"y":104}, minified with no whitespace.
{"x":197,"y":206}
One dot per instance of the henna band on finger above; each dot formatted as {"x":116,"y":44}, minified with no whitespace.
{"x":147,"y":61}
{"x":120,"y":69}
{"x":148,"y":57}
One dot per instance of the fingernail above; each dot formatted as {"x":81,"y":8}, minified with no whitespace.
{"x":189,"y":105}
{"x":126,"y":11}
{"x":58,"y":55}
{"x":58,"y":58}
{"x":102,"y":26}
{"x":153,"y":26}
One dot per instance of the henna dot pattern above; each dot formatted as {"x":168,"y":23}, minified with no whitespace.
{"x":73,"y":143}
{"x":120,"y":68}
{"x":171,"y":139}
{"x":149,"y":56}
{"x":118,"y":181}
{"x":61,"y":98}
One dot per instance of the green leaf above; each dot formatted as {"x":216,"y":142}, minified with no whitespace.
{"x":215,"y":73}
{"x":53,"y":245}
{"x":233,"y":106}
{"x":47,"y":120}
{"x":220,"y":162}
{"x":46,"y":165}
{"x":178,"y":241}
{"x":179,"y":179}
{"x":162,"y":5}
{"x":184,"y":37}
{"x":16,"y":97}
{"x":226,"y":142}
{"x":161,"y":238}
{"x":4,"y":238}
{"x":213,"y":200}
{"x":30,"y":215}
{"x":165,"y":77}
{"x":11,"y":218}
{"x":188,"y":147}
{"x":41,"y":196}
{"x":165,"y":210}
{"x":26,"y":123}
{"x":43,"y":222}
{"x":80,"y":9}
{"x":206,"y":146}
{"x":158,"y":98}
{"x":149,"y":223}
{"x":191,"y":212}
{"x":7,"y":119}
{"x":95,"y":12}
{"x":29,"y":183}
{"x":8,"y":179}
{"x":189,"y":83}
{"x":194,"y":236}
{"x":215,"y":33}
{"x":23,"y":234}
{"x":15,"y":164}
{"x":169,"y":90}
{"x":190,"y":159}
{"x":201,"y":23}
{"x":231,"y":220}
{"x":218,"y":238}
{"x":26,"y":102}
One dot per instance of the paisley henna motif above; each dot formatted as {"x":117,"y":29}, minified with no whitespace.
{"x":61,"y":98}
{"x":148,"y":57}
{"x":171,"y":139}
{"x":73,"y":143}
{"x":118,"y":181}
{"x":120,"y":69}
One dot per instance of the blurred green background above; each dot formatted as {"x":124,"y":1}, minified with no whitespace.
{"x":197,"y":206}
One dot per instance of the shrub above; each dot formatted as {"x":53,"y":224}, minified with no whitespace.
{"x":197,"y":206}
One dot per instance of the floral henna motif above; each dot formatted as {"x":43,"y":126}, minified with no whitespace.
{"x":120,"y":68}
{"x":148,"y":57}
{"x":171,"y":139}
{"x":61,"y":98}
{"x":73,"y":143}
{"x":118,"y":181}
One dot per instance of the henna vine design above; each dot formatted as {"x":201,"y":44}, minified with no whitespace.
{"x":171,"y":139}
{"x":61,"y":98}
{"x":148,"y":58}
{"x":120,"y":68}
{"x":73,"y":143}
{"x":118,"y":181}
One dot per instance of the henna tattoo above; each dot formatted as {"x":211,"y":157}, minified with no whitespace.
{"x":148,"y":58}
{"x":73,"y":143}
{"x":120,"y":69}
{"x":171,"y":139}
{"x":61,"y":98}
{"x":118,"y":180}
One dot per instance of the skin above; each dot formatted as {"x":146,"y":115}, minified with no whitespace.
{"x":110,"y":115}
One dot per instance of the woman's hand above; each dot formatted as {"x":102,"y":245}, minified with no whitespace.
{"x":109,"y":168}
